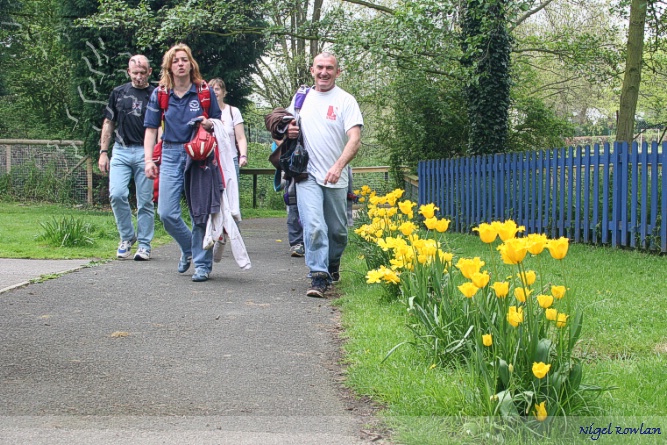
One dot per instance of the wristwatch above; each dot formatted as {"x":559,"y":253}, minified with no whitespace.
{"x":104,"y":151}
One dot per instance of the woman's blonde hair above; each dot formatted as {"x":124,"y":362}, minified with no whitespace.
{"x":167,"y":77}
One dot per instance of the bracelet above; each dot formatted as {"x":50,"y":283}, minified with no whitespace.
{"x":243,"y":156}
{"x":104,"y":151}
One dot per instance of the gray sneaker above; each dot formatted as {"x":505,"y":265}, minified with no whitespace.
{"x":319,"y":285}
{"x":297,"y":250}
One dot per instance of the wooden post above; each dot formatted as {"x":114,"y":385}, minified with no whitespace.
{"x":89,"y":176}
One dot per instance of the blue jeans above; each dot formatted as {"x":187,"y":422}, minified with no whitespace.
{"x":169,"y":208}
{"x":128,"y":162}
{"x":294,"y":229}
{"x":323,"y":212}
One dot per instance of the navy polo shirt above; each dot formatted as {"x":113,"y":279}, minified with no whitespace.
{"x":181,"y":110}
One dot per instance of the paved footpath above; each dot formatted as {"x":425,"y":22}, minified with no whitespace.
{"x":134,"y":353}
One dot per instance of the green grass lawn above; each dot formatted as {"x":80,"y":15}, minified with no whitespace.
{"x":624,"y":343}
{"x":21,"y":225}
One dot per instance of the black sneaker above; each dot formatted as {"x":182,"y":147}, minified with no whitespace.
{"x":318,"y":285}
{"x":334,"y":271}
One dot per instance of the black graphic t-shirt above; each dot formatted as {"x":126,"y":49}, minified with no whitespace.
{"x":127,"y":108}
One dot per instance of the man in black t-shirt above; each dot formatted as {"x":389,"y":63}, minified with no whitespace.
{"x":124,"y":120}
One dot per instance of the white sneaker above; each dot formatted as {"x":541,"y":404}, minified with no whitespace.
{"x":142,"y":254}
{"x":219,"y":248}
{"x":125,"y":249}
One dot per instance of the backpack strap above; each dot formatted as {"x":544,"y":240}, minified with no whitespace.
{"x":204,"y":93}
{"x":163,"y":99}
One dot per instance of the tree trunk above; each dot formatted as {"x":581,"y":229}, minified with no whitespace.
{"x":633,"y":72}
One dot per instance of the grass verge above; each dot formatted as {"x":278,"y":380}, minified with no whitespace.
{"x":624,"y":345}
{"x":21,"y":226}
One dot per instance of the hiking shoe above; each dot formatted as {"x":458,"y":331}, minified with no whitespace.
{"x":297,"y":250}
{"x":218,"y":248}
{"x":334,"y":271}
{"x":125,"y":249}
{"x":184,"y":264}
{"x":142,"y":254}
{"x":200,"y":276}
{"x":319,"y":285}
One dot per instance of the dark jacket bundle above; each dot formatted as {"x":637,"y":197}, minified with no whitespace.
{"x":291,"y":156}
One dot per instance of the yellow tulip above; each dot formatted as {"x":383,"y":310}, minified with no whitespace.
{"x":528,"y":277}
{"x":508,"y":230}
{"x":540,"y":369}
{"x":446,"y":257}
{"x":521,"y":294}
{"x":469,"y":266}
{"x":558,"y":247}
{"x":513,"y":251}
{"x":540,"y":412}
{"x":501,"y":288}
{"x":406,"y":208}
{"x":373,"y":276}
{"x":558,"y":292}
{"x":428,"y":210}
{"x":536,"y":243}
{"x":430,"y":223}
{"x":551,"y":314}
{"x":407,"y":228}
{"x":480,"y":279}
{"x":561,"y":321}
{"x":487,"y":340}
{"x":545,"y":301}
{"x":515,"y":316}
{"x":487,"y":232}
{"x":468,"y":289}
{"x":365,"y":190}
{"x":442,"y":225}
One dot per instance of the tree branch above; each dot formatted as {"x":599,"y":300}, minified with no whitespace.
{"x":372,"y":6}
{"x":528,"y":14}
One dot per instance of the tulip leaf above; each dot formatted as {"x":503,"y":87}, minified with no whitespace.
{"x":504,"y":372}
{"x":506,"y":405}
{"x":575,"y":376}
{"x":575,"y":329}
{"x":542,"y":352}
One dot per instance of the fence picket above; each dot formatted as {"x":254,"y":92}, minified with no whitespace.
{"x":601,"y":194}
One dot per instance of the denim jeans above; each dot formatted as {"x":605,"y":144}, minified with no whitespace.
{"x":169,"y":208}
{"x":128,"y":162}
{"x":294,"y":229}
{"x":324,"y":220}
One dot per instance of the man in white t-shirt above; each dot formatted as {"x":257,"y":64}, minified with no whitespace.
{"x":331,"y":123}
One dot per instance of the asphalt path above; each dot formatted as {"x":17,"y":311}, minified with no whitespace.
{"x":132,"y":352}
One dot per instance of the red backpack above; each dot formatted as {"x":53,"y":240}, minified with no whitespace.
{"x":204,"y":94}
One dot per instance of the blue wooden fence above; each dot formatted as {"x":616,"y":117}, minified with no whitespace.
{"x":601,"y":194}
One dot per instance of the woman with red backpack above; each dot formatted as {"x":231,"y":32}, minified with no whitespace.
{"x":185,"y":107}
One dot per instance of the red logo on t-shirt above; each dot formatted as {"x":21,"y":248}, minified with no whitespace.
{"x":331,"y":114}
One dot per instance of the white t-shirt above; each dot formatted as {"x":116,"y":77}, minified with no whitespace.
{"x":230,"y":123}
{"x":326,"y":118}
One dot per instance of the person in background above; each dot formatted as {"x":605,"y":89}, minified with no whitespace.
{"x":331,"y":123}
{"x":124,"y":120}
{"x":181,"y":78}
{"x":294,"y":228}
{"x":233,"y":121}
